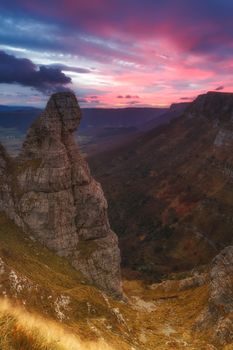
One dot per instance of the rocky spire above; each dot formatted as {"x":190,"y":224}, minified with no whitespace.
{"x":57,"y":199}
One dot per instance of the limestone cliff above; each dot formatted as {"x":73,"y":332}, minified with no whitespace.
{"x":218,"y":314}
{"x":48,"y":190}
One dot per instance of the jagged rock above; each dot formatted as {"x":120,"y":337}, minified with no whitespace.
{"x":6,"y":180}
{"x":50,"y":192}
{"x":193,"y":281}
{"x":221,"y":281}
{"x":213,"y":105}
{"x":16,"y":286}
{"x":219,"y":312}
{"x":224,"y":138}
{"x":13,"y":284}
{"x":217,"y":315}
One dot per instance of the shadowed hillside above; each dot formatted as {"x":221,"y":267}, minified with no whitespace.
{"x":170,"y":191}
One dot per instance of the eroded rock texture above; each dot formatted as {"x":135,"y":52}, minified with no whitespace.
{"x":218,"y":314}
{"x":49,"y":191}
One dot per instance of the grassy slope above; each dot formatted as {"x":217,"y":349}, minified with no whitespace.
{"x":20,"y":330}
{"x":150,"y":320}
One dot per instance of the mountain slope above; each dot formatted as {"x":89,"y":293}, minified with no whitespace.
{"x":170,"y":191}
{"x":175,"y":110}
{"x":47,"y":305}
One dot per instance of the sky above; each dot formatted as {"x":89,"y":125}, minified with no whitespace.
{"x":115,"y":53}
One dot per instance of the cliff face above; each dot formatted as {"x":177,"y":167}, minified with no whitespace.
{"x":48,"y":190}
{"x":218,"y":313}
{"x":217,"y":108}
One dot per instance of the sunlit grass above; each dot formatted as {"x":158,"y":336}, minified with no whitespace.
{"x":20,"y":330}
{"x":92,"y":320}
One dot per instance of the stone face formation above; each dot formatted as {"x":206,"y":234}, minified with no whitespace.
{"x":48,"y":190}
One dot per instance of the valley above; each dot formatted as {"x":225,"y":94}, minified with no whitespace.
{"x":116,"y":175}
{"x":80,"y":316}
{"x":100,"y":129}
{"x":169,"y":191}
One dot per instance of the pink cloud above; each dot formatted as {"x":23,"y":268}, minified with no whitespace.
{"x":159,"y":50}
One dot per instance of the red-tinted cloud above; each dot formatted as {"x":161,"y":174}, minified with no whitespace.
{"x":159,"y":50}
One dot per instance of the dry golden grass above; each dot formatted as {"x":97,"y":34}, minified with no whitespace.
{"x":20,"y":330}
{"x":150,"y":320}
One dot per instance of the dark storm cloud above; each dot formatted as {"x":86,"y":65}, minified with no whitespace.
{"x":24,"y":72}
{"x":65,"y":68}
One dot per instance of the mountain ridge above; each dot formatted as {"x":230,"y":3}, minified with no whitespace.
{"x":173,"y":174}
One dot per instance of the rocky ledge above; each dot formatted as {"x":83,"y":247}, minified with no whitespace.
{"x":218,"y":315}
{"x":48,"y":191}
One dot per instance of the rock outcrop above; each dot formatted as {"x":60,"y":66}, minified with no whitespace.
{"x":48,"y":190}
{"x":218,"y":314}
{"x":213,"y":105}
{"x":216,"y":283}
{"x":221,"y":281}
